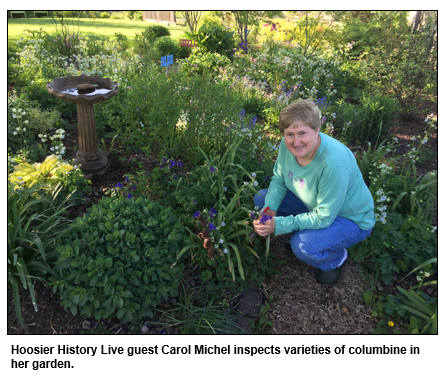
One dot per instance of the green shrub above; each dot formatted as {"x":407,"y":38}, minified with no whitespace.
{"x":407,"y":68}
{"x":145,"y":39}
{"x":369,"y":121}
{"x":34,"y":224}
{"x":104,"y":15}
{"x":119,"y":262}
{"x":122,"y":41}
{"x":213,"y":39}
{"x":117,"y":15}
{"x":399,"y":245}
{"x":165,"y":45}
{"x":201,"y":63}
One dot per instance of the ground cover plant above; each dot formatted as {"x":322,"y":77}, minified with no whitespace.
{"x":163,"y":241}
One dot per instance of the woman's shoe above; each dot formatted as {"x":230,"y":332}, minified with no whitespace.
{"x":331,"y":276}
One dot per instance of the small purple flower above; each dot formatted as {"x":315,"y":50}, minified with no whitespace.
{"x":133,"y":188}
{"x":212,"y":227}
{"x":265,"y":218}
{"x":164,"y":160}
{"x":194,"y":201}
{"x":196,"y":215}
{"x":162,"y":166}
{"x":129,"y":196}
{"x":252,"y":215}
{"x":175,"y":176}
{"x":119,"y":185}
{"x":267,"y":178}
{"x":212,"y":170}
{"x":212,"y":212}
{"x":126,"y":179}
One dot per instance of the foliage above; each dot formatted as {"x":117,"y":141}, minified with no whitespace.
{"x":145,"y":39}
{"x":244,"y":21}
{"x":192,"y":19}
{"x":120,"y":260}
{"x":201,"y":64}
{"x":50,"y":175}
{"x":369,"y":121}
{"x":134,"y":15}
{"x":66,"y":35}
{"x":168,"y":46}
{"x":229,"y":213}
{"x":402,"y":189}
{"x":398,"y":245}
{"x":34,"y":225}
{"x":122,"y":41}
{"x":407,"y":69}
{"x":104,"y":15}
{"x":213,"y":39}
{"x":211,"y":318}
{"x":369,"y":159}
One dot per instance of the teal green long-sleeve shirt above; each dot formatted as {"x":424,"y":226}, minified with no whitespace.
{"x":330,"y":185}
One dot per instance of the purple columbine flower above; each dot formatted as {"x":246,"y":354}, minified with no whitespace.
{"x":119,"y":185}
{"x":162,"y":166}
{"x":164,"y":160}
{"x":212,"y":170}
{"x":196,"y":215}
{"x":265,"y":218}
{"x":129,"y":196}
{"x":175,"y":176}
{"x":212,"y":212}
{"x":252,"y":215}
{"x":212,"y":227}
{"x":126,"y":179}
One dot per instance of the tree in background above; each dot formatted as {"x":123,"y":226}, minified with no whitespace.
{"x":244,"y":21}
{"x":192,"y":18}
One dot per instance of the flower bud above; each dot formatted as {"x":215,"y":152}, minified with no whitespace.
{"x":202,"y":220}
{"x":207,"y":243}
{"x":205,"y":233}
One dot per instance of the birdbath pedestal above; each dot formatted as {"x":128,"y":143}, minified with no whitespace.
{"x":85,"y":91}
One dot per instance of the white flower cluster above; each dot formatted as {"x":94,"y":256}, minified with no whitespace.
{"x":381,"y":210}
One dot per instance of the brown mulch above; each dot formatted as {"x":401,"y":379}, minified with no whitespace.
{"x":300,"y":305}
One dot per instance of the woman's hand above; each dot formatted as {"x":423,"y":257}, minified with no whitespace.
{"x":268,"y":227}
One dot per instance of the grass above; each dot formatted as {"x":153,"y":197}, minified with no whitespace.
{"x":108,"y":27}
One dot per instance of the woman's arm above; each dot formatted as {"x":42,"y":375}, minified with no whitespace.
{"x":332,"y":190}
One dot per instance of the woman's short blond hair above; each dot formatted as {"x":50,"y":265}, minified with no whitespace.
{"x":301,"y":111}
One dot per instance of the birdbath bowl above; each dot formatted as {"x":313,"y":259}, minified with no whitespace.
{"x":85,"y":91}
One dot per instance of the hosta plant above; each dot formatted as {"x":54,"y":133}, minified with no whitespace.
{"x":120,"y":261}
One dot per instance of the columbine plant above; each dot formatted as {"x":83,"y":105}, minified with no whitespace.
{"x":224,"y":228}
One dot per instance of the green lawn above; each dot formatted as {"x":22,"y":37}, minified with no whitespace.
{"x":17,"y":27}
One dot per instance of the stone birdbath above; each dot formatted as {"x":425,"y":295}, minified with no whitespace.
{"x":85,"y":91}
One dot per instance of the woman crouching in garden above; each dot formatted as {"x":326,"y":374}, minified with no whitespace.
{"x":317,"y":194}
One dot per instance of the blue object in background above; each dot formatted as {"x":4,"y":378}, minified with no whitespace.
{"x":167,"y":60}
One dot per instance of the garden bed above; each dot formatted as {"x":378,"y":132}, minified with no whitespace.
{"x":226,"y":104}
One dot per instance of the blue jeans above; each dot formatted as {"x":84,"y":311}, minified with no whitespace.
{"x":320,"y":248}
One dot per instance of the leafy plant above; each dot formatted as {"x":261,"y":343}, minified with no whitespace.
{"x":407,"y":68}
{"x":165,"y":45}
{"x":121,"y":260}
{"x":398,"y":245}
{"x":34,"y":225}
{"x":369,"y":159}
{"x":231,"y":216}
{"x":50,"y":174}
{"x":203,"y":63}
{"x":259,"y":327}
{"x":211,"y":318}
{"x":368,"y":121}
{"x":213,"y":39}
